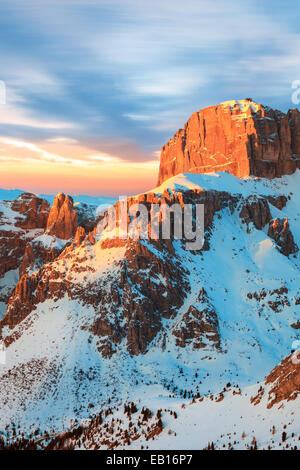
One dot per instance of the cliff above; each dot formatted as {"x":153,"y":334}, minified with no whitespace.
{"x":241,"y":137}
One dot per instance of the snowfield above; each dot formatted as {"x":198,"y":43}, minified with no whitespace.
{"x":232,"y":422}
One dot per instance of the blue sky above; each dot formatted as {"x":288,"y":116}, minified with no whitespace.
{"x":117,"y":78}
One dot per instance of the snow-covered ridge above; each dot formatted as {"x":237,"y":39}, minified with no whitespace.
{"x":222,"y":181}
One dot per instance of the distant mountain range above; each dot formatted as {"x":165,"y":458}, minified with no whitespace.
{"x":10,"y":194}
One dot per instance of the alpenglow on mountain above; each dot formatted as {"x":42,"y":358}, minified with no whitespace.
{"x":239,"y":136}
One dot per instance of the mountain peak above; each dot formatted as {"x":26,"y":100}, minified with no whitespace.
{"x":241,"y":137}
{"x":62,"y":220}
{"x":243,"y":105}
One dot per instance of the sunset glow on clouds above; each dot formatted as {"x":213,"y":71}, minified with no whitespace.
{"x":58,"y":164}
{"x":95,"y":88}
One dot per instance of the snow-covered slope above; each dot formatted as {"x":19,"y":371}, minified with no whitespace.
{"x":264,"y":416}
{"x":114,"y":321}
{"x":221,"y":181}
{"x":236,"y":418}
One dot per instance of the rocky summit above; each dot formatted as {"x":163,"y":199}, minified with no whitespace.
{"x":62,"y":220}
{"x":240,"y":136}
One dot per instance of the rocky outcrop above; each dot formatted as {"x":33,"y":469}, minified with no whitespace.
{"x":28,"y":260}
{"x":23,"y":221}
{"x":20,"y":221}
{"x":12,"y":248}
{"x":284,"y":380}
{"x":24,"y":244}
{"x":257,"y":211}
{"x":36,"y":255}
{"x":86,"y":216}
{"x":79,"y":236}
{"x":276,"y":299}
{"x":279,"y":231}
{"x":34,"y":211}
{"x":62,"y":220}
{"x":241,"y":137}
{"x":198,"y":326}
{"x":278,"y":201}
{"x":162,"y":292}
{"x":121,"y":310}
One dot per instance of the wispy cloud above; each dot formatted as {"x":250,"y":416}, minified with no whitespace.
{"x":12,"y":150}
{"x":43,"y":155}
{"x":16,"y":116}
{"x":62,"y":140}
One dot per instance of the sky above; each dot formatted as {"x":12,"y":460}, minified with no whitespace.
{"x":94,"y":88}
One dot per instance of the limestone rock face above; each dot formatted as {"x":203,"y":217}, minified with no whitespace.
{"x":284,"y":380}
{"x":282,"y":384}
{"x":279,"y":230}
{"x":33,"y":211}
{"x":28,"y":259}
{"x":241,"y":137}
{"x":20,"y":220}
{"x":62,"y":221}
{"x":199,"y":326}
{"x":256,"y":210}
{"x":79,"y":236}
{"x":25,"y":245}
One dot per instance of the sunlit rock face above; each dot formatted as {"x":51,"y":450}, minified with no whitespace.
{"x":62,"y":221}
{"x":241,"y":137}
{"x":33,"y":234}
